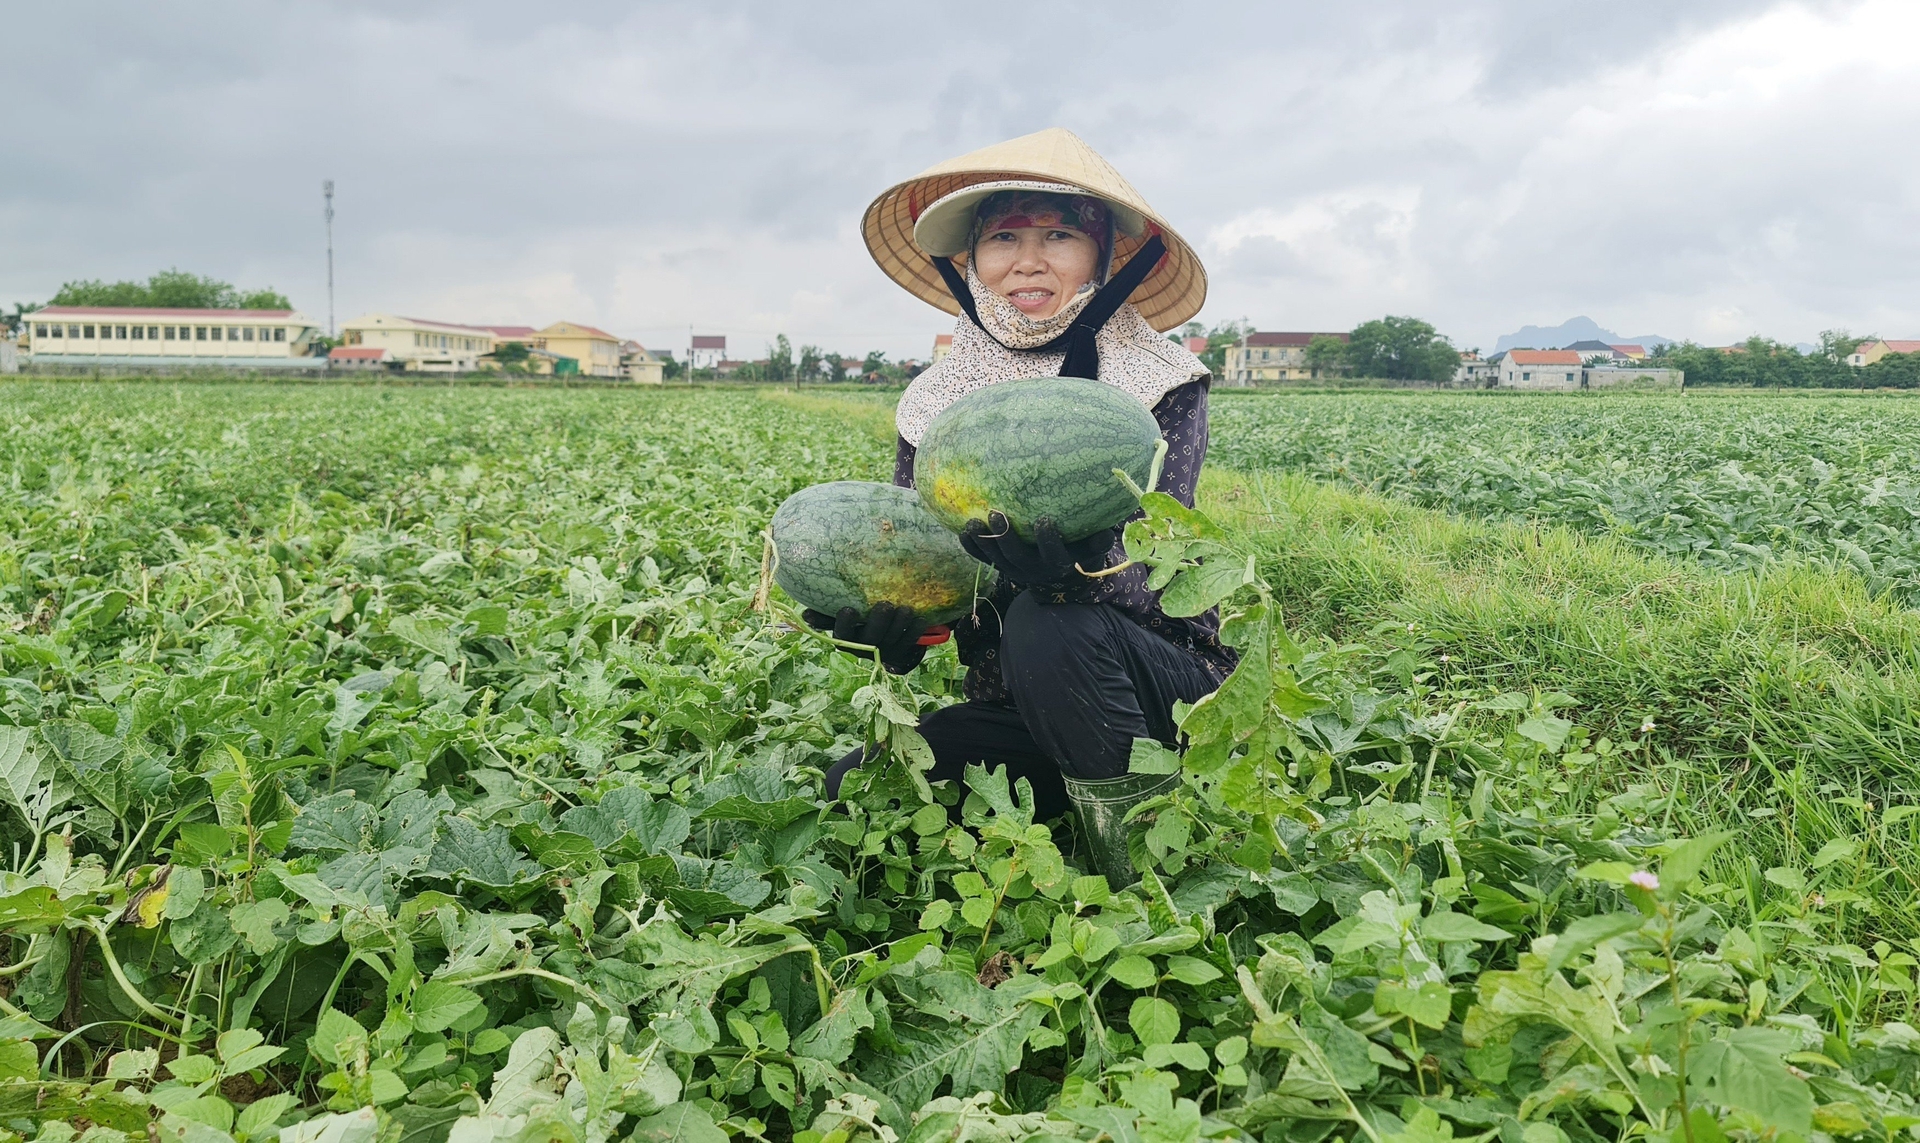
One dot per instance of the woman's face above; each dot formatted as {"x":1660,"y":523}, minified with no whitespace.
{"x":1037,"y":268}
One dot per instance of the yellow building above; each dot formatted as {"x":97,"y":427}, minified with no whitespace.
{"x":642,"y":364}
{"x":149,"y":335}
{"x":597,"y":351}
{"x":1873,"y":349}
{"x":419,"y":345}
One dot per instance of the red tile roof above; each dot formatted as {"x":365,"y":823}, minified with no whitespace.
{"x":511,"y":332}
{"x":1630,"y":350}
{"x":1903,"y":346}
{"x":1196,"y":345}
{"x":356,"y":353}
{"x":1544,"y":357}
{"x":156,"y":311}
{"x":448,"y":324}
{"x":943,"y":339}
{"x":1269,"y":340}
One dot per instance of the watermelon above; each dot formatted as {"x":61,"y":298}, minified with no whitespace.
{"x":854,"y":543}
{"x":1044,"y":448}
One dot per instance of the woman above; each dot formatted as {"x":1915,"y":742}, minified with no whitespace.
{"x":1066,"y":668}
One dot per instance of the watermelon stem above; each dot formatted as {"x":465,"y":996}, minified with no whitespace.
{"x":1153,"y":473}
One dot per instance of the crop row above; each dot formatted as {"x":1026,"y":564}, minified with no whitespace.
{"x":1731,"y":480}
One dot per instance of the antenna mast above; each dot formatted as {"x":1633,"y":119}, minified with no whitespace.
{"x":326,"y":189}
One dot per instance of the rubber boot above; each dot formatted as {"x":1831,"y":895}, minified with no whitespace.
{"x":1104,"y":804}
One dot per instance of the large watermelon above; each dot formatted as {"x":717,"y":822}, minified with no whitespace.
{"x":1037,"y":449}
{"x":853,"y":543}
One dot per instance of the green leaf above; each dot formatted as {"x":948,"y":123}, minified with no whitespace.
{"x":1451,"y":926}
{"x":627,"y":812}
{"x":832,"y":1037}
{"x":1430,"y":1004}
{"x":437,"y":1006}
{"x":1548,"y":730}
{"x":766,"y":815}
{"x":1154,"y":1021}
{"x":1136,"y":972}
{"x":256,"y":920}
{"x":1747,"y":1071}
{"x":466,"y":852}
{"x":19,"y":1060}
{"x":1839,"y":849}
{"x":1192,"y":970}
{"x":25,"y":776}
{"x":1200,"y":589}
{"x":960,"y":1029}
{"x":681,"y":1123}
{"x":1683,"y":865}
{"x":35,"y":910}
{"x":263,"y":1113}
{"x":334,"y":1036}
{"x":1582,"y":935}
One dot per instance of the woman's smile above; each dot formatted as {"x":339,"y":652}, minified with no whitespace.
{"x":1032,"y":299}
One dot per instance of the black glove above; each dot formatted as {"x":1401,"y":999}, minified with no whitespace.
{"x":1048,"y":560}
{"x":895,"y":630}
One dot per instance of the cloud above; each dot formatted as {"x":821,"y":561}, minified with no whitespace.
{"x":1707,"y":170}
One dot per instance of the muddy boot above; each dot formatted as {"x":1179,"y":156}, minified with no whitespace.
{"x":1104,"y":804}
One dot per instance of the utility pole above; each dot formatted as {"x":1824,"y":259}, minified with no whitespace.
{"x":326,"y":189}
{"x":689,"y":353}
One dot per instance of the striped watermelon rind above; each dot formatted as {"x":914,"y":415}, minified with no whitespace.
{"x":855,"y":543}
{"x":1043,"y":448}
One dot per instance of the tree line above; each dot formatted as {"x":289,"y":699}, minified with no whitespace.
{"x":783,"y":366}
{"x":168,"y":289}
{"x":1761,"y":362}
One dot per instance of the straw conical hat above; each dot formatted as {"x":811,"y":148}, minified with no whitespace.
{"x":932,"y":202}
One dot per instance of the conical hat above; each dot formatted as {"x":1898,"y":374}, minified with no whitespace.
{"x":1169,"y":296}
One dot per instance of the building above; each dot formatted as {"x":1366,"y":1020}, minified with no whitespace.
{"x":942,"y":345}
{"x":1540,"y":369}
{"x":150,"y":335}
{"x":1868,"y":352}
{"x":1630,"y":352}
{"x":359,"y":358}
{"x":1196,"y":345}
{"x":1475,"y":373}
{"x":597,"y":351}
{"x":1271,"y":357}
{"x":707,"y":351}
{"x":419,"y":345}
{"x":1629,"y":376}
{"x":641,"y":364}
{"x":1588,"y":350}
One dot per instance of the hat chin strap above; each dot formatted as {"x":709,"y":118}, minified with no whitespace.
{"x":1083,"y":356}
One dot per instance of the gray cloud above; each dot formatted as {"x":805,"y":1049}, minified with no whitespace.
{"x":1736,"y":167}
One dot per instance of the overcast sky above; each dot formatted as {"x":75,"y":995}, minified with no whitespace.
{"x":1738,"y":167}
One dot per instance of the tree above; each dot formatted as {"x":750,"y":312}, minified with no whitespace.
{"x":875,"y":362}
{"x":170,"y":289}
{"x":512,"y":354}
{"x":809,"y":368}
{"x":1326,"y":356}
{"x":12,"y":322}
{"x":837,"y":367}
{"x":1220,"y":338}
{"x":779,"y":367}
{"x":1836,"y":344}
{"x":1401,"y":349}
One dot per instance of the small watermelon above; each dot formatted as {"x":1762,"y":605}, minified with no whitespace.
{"x":1038,"y":449}
{"x":854,"y":543}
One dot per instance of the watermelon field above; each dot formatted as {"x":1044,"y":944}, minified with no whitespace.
{"x":435,"y":765}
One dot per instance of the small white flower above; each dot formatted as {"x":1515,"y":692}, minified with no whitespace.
{"x":1646,"y":727}
{"x":1644,"y":880}
{"x":1446,"y":658}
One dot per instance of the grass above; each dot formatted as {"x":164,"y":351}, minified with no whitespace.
{"x":1785,"y":701}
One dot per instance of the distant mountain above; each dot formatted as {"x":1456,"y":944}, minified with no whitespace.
{"x":1568,"y":332}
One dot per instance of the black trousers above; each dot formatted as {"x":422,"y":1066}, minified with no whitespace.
{"x":1086,"y":681}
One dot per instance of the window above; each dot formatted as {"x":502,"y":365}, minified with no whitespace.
{"x":153,"y":333}
{"x":139,"y":333}
{"x":40,"y":330}
{"x":169,"y":330}
{"x":1526,"y":377}
{"x":89,"y":331}
{"x":120,"y":333}
{"x":199,"y":333}
{"x":1569,"y":376}
{"x":73,"y":331}
{"x":279,"y":335}
{"x":247,"y":334}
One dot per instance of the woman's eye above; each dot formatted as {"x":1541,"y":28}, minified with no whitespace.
{"x":1003,"y":236}
{"x":1059,"y":235}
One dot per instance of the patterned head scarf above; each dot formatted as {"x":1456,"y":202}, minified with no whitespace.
{"x":1007,"y":210}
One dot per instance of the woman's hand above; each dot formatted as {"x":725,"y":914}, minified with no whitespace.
{"x":893,"y":629}
{"x":1048,"y":560}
